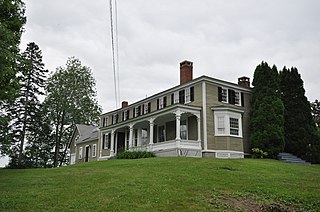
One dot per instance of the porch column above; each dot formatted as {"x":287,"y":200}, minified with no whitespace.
{"x":199,"y":127}
{"x":178,"y":117}
{"x":101,"y":143}
{"x":112,"y":143}
{"x":151,"y":124}
{"x":130,"y":136}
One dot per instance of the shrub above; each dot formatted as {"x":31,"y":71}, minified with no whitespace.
{"x":258,"y":153}
{"x":135,"y":155}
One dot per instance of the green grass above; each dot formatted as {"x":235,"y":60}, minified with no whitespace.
{"x":162,"y":184}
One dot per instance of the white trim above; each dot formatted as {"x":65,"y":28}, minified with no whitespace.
{"x":226,"y":153}
{"x":226,"y":115}
{"x":204,"y":115}
{"x":80,"y":152}
{"x":94,"y":150}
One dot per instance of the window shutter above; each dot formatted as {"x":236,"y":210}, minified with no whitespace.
{"x":157,"y":104}
{"x":134,"y":112}
{"x":149,"y":107}
{"x":242,"y":99}
{"x":181,"y":97}
{"x":219,"y":94}
{"x":109,"y":141}
{"x":103,"y":141}
{"x":142,"y":111}
{"x":231,"y":95}
{"x":164,"y":101}
{"x":172,"y":98}
{"x":192,"y":94}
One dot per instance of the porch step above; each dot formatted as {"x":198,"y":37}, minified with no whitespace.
{"x":290,"y":158}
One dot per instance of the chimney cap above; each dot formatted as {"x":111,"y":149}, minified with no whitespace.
{"x":186,"y":63}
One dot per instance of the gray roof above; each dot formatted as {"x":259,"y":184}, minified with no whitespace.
{"x":87,"y":133}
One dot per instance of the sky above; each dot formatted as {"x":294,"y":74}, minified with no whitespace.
{"x":223,"y":39}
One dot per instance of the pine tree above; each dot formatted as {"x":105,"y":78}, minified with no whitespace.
{"x":267,"y":115}
{"x":32,"y":75}
{"x":71,"y":99}
{"x":299,"y":126}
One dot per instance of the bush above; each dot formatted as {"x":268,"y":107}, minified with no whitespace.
{"x":135,"y":155}
{"x":258,"y":153}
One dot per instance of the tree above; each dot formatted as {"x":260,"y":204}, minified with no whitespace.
{"x":12,"y":20}
{"x":32,"y":76}
{"x":267,"y":115}
{"x":71,"y":99}
{"x":299,"y":126}
{"x":315,"y":111}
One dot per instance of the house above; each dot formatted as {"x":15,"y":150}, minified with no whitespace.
{"x":84,"y":143}
{"x":202,"y":117}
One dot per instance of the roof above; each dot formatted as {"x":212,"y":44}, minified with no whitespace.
{"x":87,"y":133}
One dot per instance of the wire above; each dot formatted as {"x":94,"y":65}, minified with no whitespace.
{"x":117,"y":48}
{"x":113,"y":57}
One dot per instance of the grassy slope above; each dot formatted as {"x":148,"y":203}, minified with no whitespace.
{"x":164,"y":184}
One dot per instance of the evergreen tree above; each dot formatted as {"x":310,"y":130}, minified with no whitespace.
{"x":71,"y":99}
{"x":315,"y":110}
{"x":267,"y":115}
{"x":12,"y":20}
{"x":299,"y":125}
{"x":32,"y":77}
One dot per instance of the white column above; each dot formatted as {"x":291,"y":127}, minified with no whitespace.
{"x":139,"y":137}
{"x":204,"y":116}
{"x":199,"y":127}
{"x":125,"y":139}
{"x":151,"y":125}
{"x":112,"y":144}
{"x":101,"y":143}
{"x":130,"y":136}
{"x":178,"y":117}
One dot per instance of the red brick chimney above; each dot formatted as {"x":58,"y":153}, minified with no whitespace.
{"x":244,"y":81}
{"x":185,"y":71}
{"x":124,"y":104}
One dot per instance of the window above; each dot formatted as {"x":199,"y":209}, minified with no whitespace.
{"x":234,"y":126}
{"x":125,"y":115}
{"x":161,"y":133}
{"x":105,"y":121}
{"x":80,"y":153}
{"x":137,"y":111}
{"x":228,"y":123}
{"x":144,"y":137}
{"x":189,"y":97}
{"x":94,"y":150}
{"x":183,"y":130}
{"x":181,"y":97}
{"x":221,"y":125}
{"x":175,"y":98}
{"x":114,"y":118}
{"x":146,"y":108}
{"x":106,"y":141}
{"x":230,"y":96}
{"x":161,"y":102}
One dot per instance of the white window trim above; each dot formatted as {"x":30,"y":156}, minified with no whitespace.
{"x":239,"y":93}
{"x":187,"y":132}
{"x":176,"y":97}
{"x":227,"y":115}
{"x":161,"y":103}
{"x":187,"y":95}
{"x":105,"y":121}
{"x":106,"y":140}
{"x":94,"y":150}
{"x":227,"y":94}
{"x":125,"y":115}
{"x":80,"y":152}
{"x":145,"y":109}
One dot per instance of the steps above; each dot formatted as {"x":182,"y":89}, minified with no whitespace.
{"x":290,"y":158}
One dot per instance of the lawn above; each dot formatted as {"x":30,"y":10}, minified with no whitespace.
{"x":163,"y":184}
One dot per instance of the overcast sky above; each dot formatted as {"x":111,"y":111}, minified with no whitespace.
{"x":224,"y":39}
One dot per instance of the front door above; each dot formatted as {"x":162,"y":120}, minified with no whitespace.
{"x":86,"y":158}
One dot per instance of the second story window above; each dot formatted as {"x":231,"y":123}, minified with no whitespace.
{"x":137,"y":111}
{"x":230,"y":96}
{"x":125,"y":115}
{"x":175,"y":97}
{"x":146,"y":108}
{"x":105,"y":121}
{"x":161,"y":102}
{"x":114,"y":118}
{"x":189,"y":94}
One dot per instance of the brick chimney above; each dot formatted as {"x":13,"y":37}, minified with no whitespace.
{"x":244,"y":81}
{"x":185,"y":71}
{"x":124,"y":104}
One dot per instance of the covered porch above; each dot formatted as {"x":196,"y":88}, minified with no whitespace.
{"x":174,"y":131}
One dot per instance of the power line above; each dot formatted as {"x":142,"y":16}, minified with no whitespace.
{"x":115,"y":61}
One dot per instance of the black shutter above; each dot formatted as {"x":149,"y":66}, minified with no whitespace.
{"x":134,"y":112}
{"x":242,"y":99}
{"x":164,"y":102}
{"x":157,"y":104}
{"x":149,"y":107}
{"x":219,"y":94}
{"x":123,"y":115}
{"x":109,"y":141}
{"x":172,"y":98}
{"x":103,"y":140}
{"x":181,"y":97}
{"x":142,"y":109}
{"x":191,"y":94}
{"x":231,"y":96}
